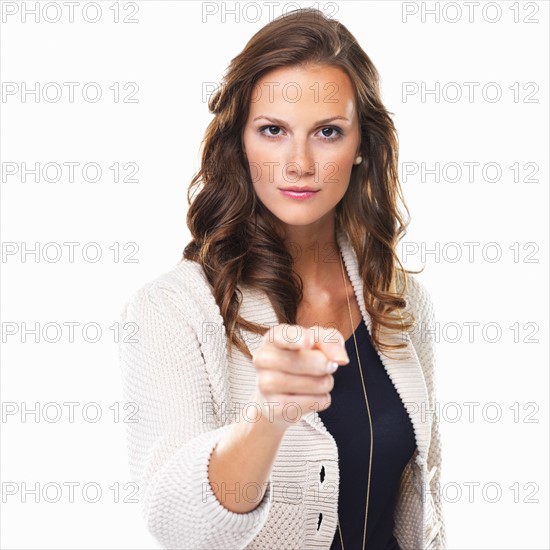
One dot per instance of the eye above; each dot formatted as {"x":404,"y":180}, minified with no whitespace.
{"x":328,"y":135}
{"x":274,"y":132}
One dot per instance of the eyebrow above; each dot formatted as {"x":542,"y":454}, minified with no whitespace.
{"x":283,"y":123}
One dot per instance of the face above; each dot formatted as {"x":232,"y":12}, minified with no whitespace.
{"x":302,"y":131}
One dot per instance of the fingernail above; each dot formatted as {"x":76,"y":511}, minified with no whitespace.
{"x":341,"y":357}
{"x":332,"y":366}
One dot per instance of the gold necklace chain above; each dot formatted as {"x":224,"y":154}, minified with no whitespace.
{"x":368,"y":410}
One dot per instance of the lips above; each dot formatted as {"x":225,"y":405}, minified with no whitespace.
{"x":298,"y":193}
{"x":299,"y":189}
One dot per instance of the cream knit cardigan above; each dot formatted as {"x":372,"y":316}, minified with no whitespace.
{"x":177,"y":370}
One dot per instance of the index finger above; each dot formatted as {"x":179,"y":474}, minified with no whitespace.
{"x":296,"y":337}
{"x":331,"y":342}
{"x":287,"y":336}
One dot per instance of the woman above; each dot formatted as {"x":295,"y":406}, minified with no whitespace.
{"x":283,"y":370}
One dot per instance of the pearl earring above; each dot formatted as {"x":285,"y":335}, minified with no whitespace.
{"x":358,"y":160}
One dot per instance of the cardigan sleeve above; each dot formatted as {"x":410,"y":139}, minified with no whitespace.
{"x":424,"y":342}
{"x":172,"y":436}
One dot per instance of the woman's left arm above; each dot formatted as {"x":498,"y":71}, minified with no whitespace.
{"x":423,"y":339}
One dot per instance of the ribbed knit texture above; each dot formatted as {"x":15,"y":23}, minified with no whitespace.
{"x":178,"y":370}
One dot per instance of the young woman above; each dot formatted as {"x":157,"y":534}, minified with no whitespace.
{"x":284,"y":370}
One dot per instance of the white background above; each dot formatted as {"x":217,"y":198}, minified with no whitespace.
{"x":170,"y":52}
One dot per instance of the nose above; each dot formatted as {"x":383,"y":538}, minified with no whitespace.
{"x":300,"y":161}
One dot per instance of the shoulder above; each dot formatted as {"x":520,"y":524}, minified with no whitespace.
{"x":420,"y":299}
{"x":182,"y":289}
{"x":420,"y":304}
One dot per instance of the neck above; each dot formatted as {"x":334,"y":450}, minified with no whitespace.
{"x":315,"y":251}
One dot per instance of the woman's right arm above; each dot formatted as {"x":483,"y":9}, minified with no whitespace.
{"x":174,"y":433}
{"x":240,"y":466}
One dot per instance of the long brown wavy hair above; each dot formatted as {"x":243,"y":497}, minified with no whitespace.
{"x":236,"y":239}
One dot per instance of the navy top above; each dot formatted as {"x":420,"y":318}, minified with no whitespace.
{"x":394,"y":444}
